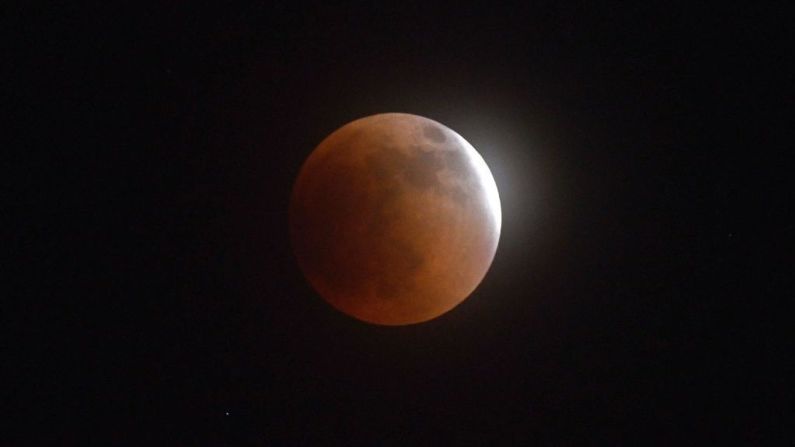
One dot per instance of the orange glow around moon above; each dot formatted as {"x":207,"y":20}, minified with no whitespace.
{"x":394,"y":219}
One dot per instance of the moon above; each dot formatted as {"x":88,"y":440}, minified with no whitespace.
{"x":394,"y":219}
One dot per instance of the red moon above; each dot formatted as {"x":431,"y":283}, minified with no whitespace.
{"x":394,"y":219}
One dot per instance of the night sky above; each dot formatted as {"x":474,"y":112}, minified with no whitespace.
{"x":633,"y":300}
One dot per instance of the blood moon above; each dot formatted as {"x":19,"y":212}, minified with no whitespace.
{"x":394,"y":219}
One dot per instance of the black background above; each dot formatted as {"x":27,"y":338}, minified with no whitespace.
{"x":634,"y":294}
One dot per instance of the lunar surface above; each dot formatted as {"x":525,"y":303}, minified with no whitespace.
{"x":394,"y":219}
